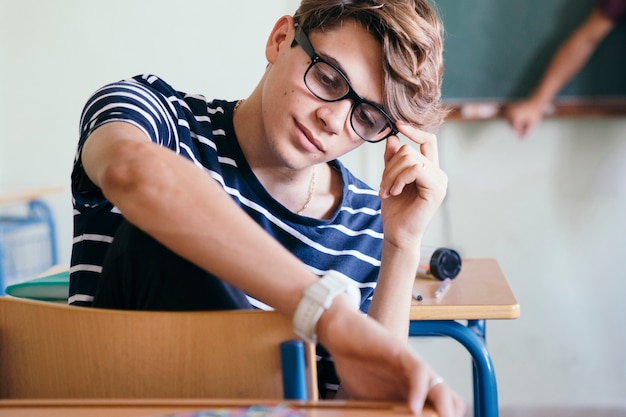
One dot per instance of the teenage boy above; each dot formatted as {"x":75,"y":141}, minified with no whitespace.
{"x":185,"y":204}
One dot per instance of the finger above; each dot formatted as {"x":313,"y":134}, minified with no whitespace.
{"x":459,"y":406}
{"x":403,"y":177}
{"x":426,"y":141}
{"x":442,"y":400}
{"x":403,"y":169}
{"x":519,"y":126}
{"x":391,"y":147}
{"x":418,"y":391}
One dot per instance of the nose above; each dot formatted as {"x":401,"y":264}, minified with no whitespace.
{"x":335,"y":116}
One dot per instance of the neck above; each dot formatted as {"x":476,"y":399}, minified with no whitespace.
{"x":289,"y":186}
{"x":310,"y":194}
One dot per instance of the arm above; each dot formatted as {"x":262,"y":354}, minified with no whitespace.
{"x":157,"y":190}
{"x":567,"y":62}
{"x":412,"y":188}
{"x":173,"y":200}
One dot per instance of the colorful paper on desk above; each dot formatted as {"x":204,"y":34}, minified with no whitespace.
{"x":253,"y":411}
{"x":53,"y":287}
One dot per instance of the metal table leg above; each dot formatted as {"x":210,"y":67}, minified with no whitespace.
{"x":472,"y":337}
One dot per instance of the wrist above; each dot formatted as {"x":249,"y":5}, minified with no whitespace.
{"x":406,"y":255}
{"x":337,"y":320}
{"x":318,"y":298}
{"x":541,"y":99}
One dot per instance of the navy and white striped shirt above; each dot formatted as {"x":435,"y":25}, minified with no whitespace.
{"x":350,"y":242}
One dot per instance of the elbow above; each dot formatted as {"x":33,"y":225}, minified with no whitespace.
{"x":131,"y":171}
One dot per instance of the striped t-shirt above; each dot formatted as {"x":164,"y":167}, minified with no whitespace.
{"x":350,"y":242}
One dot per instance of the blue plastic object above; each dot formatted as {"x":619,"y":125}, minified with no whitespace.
{"x":294,"y":370}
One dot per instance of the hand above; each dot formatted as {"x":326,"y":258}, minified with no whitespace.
{"x":373,"y":365}
{"x":523,"y":116}
{"x":412,"y":187}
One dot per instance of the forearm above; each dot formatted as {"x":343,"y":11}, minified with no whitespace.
{"x":391,"y":303}
{"x":572,"y":56}
{"x":565,"y":64}
{"x":186,"y":210}
{"x":412,"y":189}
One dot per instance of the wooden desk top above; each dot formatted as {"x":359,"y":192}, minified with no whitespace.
{"x":480,"y":291}
{"x":158,"y":408}
{"x":18,"y":194}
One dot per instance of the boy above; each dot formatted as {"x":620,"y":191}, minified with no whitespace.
{"x":195,"y":232}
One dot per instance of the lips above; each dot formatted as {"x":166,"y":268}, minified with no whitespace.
{"x":310,"y":142}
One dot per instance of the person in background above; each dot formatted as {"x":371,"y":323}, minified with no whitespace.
{"x":571,"y":56}
{"x":181,"y":203}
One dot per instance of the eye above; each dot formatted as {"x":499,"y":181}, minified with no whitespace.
{"x":328,"y":79}
{"x":367,"y":117}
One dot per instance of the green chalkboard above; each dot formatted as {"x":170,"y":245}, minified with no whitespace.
{"x":498,"y":49}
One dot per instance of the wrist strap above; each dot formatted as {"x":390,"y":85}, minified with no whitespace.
{"x":317,"y":298}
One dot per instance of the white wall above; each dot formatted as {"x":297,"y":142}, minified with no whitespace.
{"x":54,"y":54}
{"x":549,"y":208}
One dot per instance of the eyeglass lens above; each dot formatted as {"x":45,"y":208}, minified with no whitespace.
{"x":327,"y":83}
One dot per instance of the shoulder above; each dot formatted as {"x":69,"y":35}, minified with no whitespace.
{"x":140,"y":86}
{"x":142,"y":95}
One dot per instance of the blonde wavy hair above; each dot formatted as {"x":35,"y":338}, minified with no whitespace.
{"x":411,"y":35}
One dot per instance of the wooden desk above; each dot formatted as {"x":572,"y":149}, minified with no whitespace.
{"x":158,"y":408}
{"x":478,"y":293}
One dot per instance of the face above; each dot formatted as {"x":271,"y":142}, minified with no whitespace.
{"x":303,"y":129}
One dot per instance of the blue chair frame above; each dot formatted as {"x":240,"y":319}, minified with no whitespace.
{"x":38,"y":213}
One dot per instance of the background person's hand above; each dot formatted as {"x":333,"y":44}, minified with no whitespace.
{"x":523,"y":116}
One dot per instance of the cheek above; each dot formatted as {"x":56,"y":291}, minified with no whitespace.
{"x":348,"y":144}
{"x":353,"y":140}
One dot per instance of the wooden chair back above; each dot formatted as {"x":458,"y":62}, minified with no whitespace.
{"x":50,"y":350}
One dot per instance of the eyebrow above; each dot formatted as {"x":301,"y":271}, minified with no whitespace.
{"x":307,"y":45}
{"x":338,"y":65}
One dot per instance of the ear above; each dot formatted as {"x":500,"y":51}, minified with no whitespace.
{"x":281,"y":37}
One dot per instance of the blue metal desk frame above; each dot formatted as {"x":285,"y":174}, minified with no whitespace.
{"x":472,"y":337}
{"x":480,"y":292}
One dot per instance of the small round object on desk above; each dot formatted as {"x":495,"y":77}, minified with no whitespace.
{"x":445,"y":263}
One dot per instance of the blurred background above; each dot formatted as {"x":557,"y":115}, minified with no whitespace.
{"x":550,"y":208}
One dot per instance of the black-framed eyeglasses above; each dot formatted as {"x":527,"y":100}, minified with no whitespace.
{"x":326,"y":82}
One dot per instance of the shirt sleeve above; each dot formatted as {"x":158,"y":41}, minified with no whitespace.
{"x":144,"y":101}
{"x":613,"y":9}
